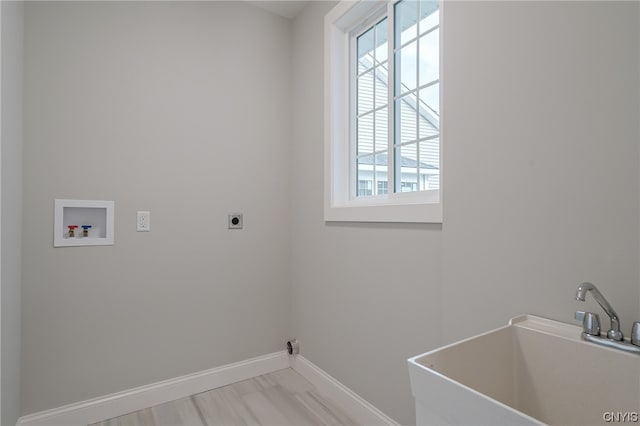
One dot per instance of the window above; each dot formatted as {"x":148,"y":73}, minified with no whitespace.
{"x":382,"y":111}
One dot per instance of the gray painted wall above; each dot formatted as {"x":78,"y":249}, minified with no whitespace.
{"x":182,"y":109}
{"x":558,"y":144}
{"x":11,"y":207}
{"x":540,"y":106}
{"x":365,"y":296}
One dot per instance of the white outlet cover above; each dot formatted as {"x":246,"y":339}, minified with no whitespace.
{"x":143,"y":221}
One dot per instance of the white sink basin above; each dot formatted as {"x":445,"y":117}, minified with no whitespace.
{"x":533,"y":371}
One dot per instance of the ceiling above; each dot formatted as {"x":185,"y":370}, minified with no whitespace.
{"x":287,"y":8}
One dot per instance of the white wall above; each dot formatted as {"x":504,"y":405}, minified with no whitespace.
{"x":182,"y":109}
{"x":541,"y":108}
{"x":11,"y":207}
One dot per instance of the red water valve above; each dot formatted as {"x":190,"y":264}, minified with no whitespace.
{"x":72,"y":232}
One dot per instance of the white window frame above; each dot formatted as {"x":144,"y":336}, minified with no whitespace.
{"x":339,"y":204}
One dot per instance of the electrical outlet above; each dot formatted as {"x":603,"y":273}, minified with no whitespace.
{"x":235,"y":220}
{"x":143,"y":221}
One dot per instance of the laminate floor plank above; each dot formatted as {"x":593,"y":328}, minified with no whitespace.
{"x":262,"y":406}
{"x":223,"y":407}
{"x":180,"y":412}
{"x":137,"y":418}
{"x":281,"y":398}
{"x":324,"y":410}
{"x":290,"y":380}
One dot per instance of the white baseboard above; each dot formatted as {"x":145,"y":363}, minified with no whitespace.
{"x":120,"y":403}
{"x":357,"y":407}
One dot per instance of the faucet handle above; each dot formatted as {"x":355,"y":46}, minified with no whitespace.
{"x":590,"y":322}
{"x":635,"y":333}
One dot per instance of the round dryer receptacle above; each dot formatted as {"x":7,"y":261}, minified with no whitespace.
{"x":293,"y":348}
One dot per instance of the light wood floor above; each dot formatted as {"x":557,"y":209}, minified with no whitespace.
{"x":281,"y":398}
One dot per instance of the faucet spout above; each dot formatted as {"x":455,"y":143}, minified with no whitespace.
{"x":614,"y":332}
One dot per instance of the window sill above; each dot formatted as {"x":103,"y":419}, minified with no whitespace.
{"x":395,"y":213}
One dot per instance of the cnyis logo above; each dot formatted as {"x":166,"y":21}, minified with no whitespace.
{"x":620,"y":416}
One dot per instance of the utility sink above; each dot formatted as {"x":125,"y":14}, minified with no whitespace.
{"x":533,"y":371}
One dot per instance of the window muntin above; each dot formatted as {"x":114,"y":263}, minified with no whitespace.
{"x":398,"y":146}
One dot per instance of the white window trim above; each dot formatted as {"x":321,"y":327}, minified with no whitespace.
{"x":413,"y":207}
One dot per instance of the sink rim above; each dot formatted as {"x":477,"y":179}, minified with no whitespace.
{"x":544,"y":326}
{"x":536,"y":323}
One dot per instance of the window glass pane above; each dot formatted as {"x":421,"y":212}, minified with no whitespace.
{"x":365,"y":49}
{"x":365,"y":176}
{"x":365,"y":187}
{"x":406,"y":68}
{"x":429,"y":16}
{"x":365,"y":92}
{"x":383,"y":186}
{"x":382,"y":86}
{"x":408,"y":187}
{"x":365,"y":134}
{"x":382,"y":129}
{"x":406,"y":168}
{"x":429,"y":57}
{"x":428,"y":120}
{"x":430,"y":155}
{"x":430,"y":99}
{"x":406,"y":20}
{"x":361,"y":69}
{"x":405,"y":110}
{"x":382,"y":42}
{"x":381,"y":171}
{"x":429,"y":164}
{"x":429,"y":181}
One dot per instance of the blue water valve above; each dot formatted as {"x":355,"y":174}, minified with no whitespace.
{"x":85,"y":230}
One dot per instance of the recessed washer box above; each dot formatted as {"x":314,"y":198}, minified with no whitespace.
{"x":98,"y":215}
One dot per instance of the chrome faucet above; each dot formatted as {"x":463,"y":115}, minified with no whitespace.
{"x":614,"y":332}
